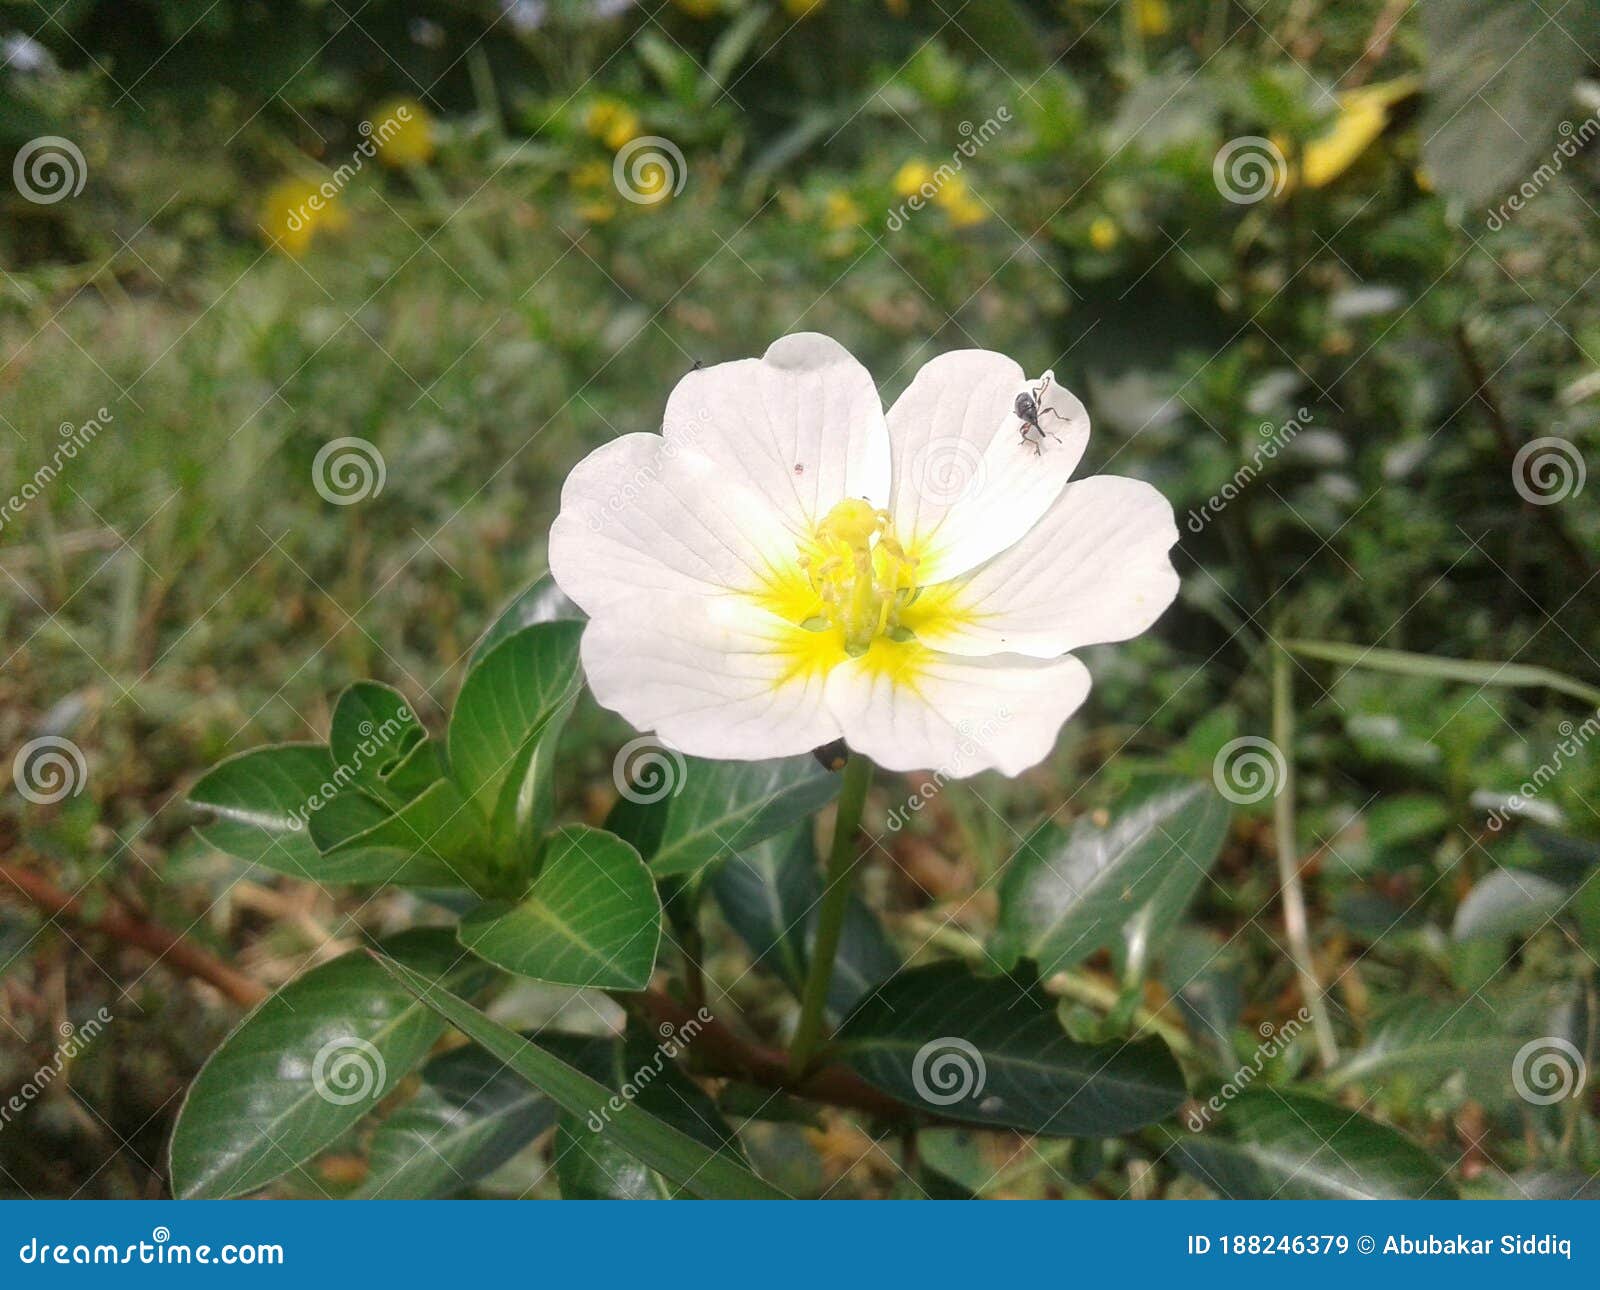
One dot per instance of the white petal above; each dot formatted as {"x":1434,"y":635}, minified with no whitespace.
{"x":966,"y":483}
{"x":802,"y":427}
{"x":707,"y":676}
{"x":1095,"y":569}
{"x":641,"y":517}
{"x":957,"y":715}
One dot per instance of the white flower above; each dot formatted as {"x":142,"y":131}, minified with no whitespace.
{"x":785,"y":566}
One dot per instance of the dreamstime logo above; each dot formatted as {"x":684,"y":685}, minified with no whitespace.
{"x":946,"y":469}
{"x":1273,"y":439}
{"x":1572,"y":741}
{"x":1548,"y":1069}
{"x":674,"y":1040}
{"x":348,"y":470}
{"x":1249,"y":168}
{"x":374,"y":138}
{"x":679,"y":435}
{"x":49,"y":169}
{"x":49,"y":768}
{"x":974,"y":740}
{"x":1248,"y":769}
{"x":1274,"y":1039}
{"x":948,"y":1070}
{"x":1573,"y":141}
{"x":646,"y":770}
{"x":347,"y":1070}
{"x":649,"y":169}
{"x":374,"y":741}
{"x":972,"y":139}
{"x":74,"y":1039}
{"x":72,"y":440}
{"x":1548,"y":470}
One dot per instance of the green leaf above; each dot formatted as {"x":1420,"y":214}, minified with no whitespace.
{"x":471,"y":1115}
{"x":769,"y":896}
{"x":306,"y":1065}
{"x":435,"y":840}
{"x":1072,"y":890}
{"x":720,"y":808}
{"x":1508,"y":902}
{"x":1400,"y":821}
{"x":1500,"y":75}
{"x":515,"y":697}
{"x":372,"y":731}
{"x":592,"y":917}
{"x":1431,"y":1041}
{"x":991,"y":1052}
{"x":415,"y":771}
{"x":542,"y":602}
{"x":591,"y":1167}
{"x":261,"y":800}
{"x":1289,"y":1146}
{"x":671,"y":1152}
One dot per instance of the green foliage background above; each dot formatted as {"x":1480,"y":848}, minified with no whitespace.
{"x":182,"y":593}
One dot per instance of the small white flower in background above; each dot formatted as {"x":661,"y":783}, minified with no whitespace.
{"x":768,"y":576}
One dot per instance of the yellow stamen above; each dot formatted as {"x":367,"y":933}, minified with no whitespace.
{"x":861,"y":577}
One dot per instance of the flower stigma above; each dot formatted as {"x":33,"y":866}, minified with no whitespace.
{"x":861,"y":577}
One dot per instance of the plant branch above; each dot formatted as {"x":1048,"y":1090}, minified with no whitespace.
{"x":161,"y":943}
{"x":718,"y":1051}
{"x":1295,"y":922}
{"x":830,"y":917}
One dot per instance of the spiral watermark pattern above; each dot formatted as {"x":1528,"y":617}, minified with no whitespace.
{"x":48,"y":769}
{"x":1249,"y":168}
{"x":49,"y":169}
{"x":1547,"y":1070}
{"x":645,"y":770}
{"x":946,"y":469}
{"x":1249,"y":769}
{"x":348,"y":470}
{"x":948,"y":1070}
{"x":649,"y":169}
{"x":347,"y":1070}
{"x":1548,"y":470}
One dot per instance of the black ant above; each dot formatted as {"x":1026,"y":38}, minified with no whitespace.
{"x":1028,"y":412}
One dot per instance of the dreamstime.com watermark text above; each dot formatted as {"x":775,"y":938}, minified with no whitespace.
{"x":160,"y":1250}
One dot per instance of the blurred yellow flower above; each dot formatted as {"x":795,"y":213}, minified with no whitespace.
{"x":1363,"y":113}
{"x":1103,"y":233}
{"x":1155,"y":19}
{"x":612,"y":122}
{"x":698,"y":8}
{"x":958,"y":203}
{"x":965,"y":211}
{"x":293,"y":212}
{"x":592,"y":179}
{"x":911,"y":177}
{"x":840,"y":212}
{"x":592,"y":174}
{"x":952,"y":192}
{"x":801,"y":8}
{"x":402,"y":130}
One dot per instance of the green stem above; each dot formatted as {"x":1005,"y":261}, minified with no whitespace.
{"x":830,"y":917}
{"x":1472,"y":671}
{"x":1294,"y":896}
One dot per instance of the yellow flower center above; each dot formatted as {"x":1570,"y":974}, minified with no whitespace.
{"x":861,"y":577}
